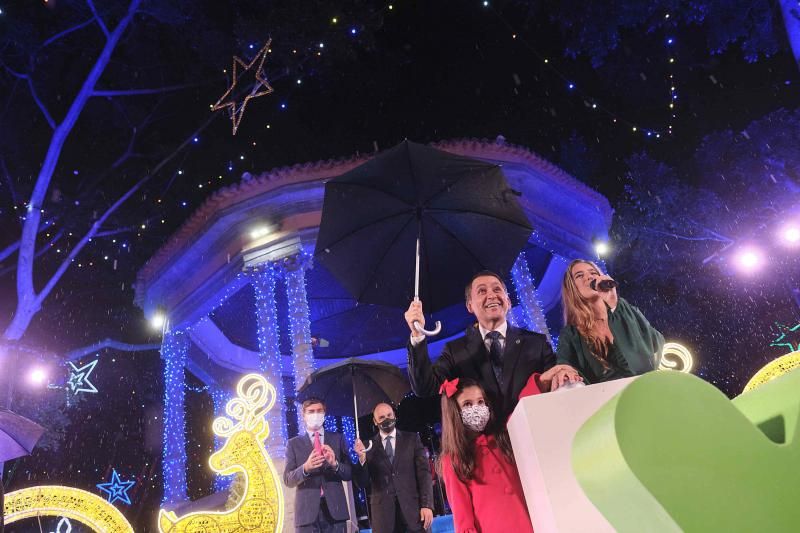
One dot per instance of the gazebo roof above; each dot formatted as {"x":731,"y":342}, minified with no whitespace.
{"x":196,"y":276}
{"x":251,"y":186}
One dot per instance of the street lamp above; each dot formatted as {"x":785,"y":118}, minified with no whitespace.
{"x":790,"y":235}
{"x":158,"y":320}
{"x":37,"y":376}
{"x":601,"y":248}
{"x":749,"y":259}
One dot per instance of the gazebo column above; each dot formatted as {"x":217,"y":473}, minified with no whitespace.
{"x":299,"y":322}
{"x":174,"y":350}
{"x":529,"y":301}
{"x":220,"y":397}
{"x":263,"y":281}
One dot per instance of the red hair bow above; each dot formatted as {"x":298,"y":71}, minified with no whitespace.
{"x":449,"y":387}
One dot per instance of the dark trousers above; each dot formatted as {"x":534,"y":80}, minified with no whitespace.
{"x":324,"y":523}
{"x":399,"y":525}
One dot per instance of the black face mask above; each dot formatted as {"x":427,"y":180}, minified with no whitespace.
{"x":387,"y":424}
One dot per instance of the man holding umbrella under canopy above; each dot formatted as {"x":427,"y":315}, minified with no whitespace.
{"x":500,"y":357}
{"x":397,"y":472}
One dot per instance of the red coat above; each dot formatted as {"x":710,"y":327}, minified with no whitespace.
{"x":493,"y":500}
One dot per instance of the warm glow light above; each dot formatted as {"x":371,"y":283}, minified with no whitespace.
{"x":677,"y":357}
{"x":259,"y":232}
{"x":158,"y":320}
{"x":38,"y":376}
{"x":261,"y":506}
{"x":749,"y":260}
{"x":74,"y":504}
{"x":791,"y":234}
{"x":601,"y":248}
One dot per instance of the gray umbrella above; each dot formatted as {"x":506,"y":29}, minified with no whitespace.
{"x":18,"y":435}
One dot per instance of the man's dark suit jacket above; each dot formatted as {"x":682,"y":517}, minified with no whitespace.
{"x":525,"y":353}
{"x":408,"y":478}
{"x":306,"y":502}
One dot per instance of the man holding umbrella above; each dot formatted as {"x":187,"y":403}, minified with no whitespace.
{"x":500,"y":357}
{"x":397,"y":472}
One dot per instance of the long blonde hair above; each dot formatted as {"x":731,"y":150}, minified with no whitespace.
{"x":578,"y":313}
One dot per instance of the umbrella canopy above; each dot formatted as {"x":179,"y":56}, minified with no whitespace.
{"x":366,"y":381}
{"x":463,"y":211}
{"x":18,"y":435}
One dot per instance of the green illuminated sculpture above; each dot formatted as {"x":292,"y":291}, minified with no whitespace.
{"x":672,"y":453}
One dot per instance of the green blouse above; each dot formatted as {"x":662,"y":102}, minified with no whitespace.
{"x":636,"y":348}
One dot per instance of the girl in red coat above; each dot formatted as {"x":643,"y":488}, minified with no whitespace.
{"x":477,"y":464}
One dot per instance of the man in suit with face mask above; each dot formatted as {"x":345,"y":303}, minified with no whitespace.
{"x":316,"y":463}
{"x":398,"y":476}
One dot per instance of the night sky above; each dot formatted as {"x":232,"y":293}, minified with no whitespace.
{"x":381,"y":73}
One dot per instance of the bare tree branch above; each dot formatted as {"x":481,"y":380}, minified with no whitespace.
{"x":714,"y":237}
{"x":115,"y":231}
{"x":8,"y":250}
{"x":98,"y":19}
{"x":9,"y":181}
{"x":40,"y":252}
{"x":97,"y":225}
{"x":136,"y":92}
{"x":64,"y":33}
{"x":129,"y":150}
{"x":718,"y":236}
{"x":11,"y":248}
{"x":34,"y":94}
{"x":28,"y":302}
{"x":10,"y":98}
{"x":77,"y":353}
{"x":718,"y":252}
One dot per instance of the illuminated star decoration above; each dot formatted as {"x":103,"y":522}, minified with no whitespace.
{"x":788,"y":337}
{"x":79,"y":378}
{"x":117,"y":489}
{"x":261,"y":86}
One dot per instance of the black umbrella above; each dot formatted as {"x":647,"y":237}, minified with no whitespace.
{"x":345,"y":385}
{"x":457,"y":213}
{"x":18,"y":435}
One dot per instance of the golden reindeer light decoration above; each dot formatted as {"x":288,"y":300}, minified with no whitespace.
{"x":261,"y":506}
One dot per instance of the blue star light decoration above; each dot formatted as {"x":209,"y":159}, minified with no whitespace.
{"x":79,"y":378}
{"x":117,"y":489}
{"x":788,"y":337}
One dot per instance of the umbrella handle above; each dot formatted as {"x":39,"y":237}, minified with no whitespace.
{"x":426,"y":332}
{"x":355,"y":409}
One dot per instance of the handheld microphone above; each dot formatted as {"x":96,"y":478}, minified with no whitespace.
{"x":603,"y":284}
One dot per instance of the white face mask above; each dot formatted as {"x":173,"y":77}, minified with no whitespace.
{"x":475,"y":417}
{"x":314,"y":421}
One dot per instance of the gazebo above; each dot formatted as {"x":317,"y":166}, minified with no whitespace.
{"x":242,"y":293}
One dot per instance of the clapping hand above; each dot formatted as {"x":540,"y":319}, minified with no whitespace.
{"x":314,"y":461}
{"x":329,"y":455}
